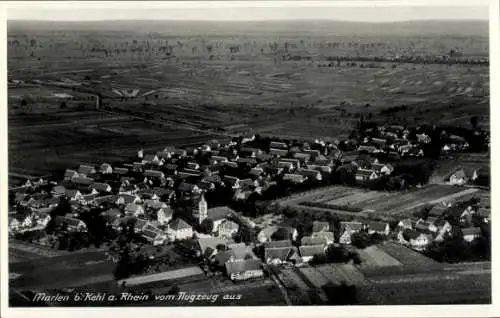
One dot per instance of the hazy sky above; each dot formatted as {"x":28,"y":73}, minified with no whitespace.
{"x":378,"y":11}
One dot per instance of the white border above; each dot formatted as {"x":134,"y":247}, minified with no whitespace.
{"x":351,"y":311}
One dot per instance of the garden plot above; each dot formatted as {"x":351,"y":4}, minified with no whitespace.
{"x":406,"y":256}
{"x":341,"y":273}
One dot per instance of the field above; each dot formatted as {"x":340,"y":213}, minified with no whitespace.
{"x":378,"y":203}
{"x":199,"y":77}
{"x":373,"y":256}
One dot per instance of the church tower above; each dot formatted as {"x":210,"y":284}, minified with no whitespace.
{"x":202,"y":209}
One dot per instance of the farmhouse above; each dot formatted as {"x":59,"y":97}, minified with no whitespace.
{"x":106,"y":168}
{"x":134,"y":209}
{"x":310,"y":240}
{"x":154,"y":174}
{"x":85,"y":170}
{"x":417,"y":240}
{"x":319,"y":226}
{"x":326,"y":237}
{"x":378,"y":227}
{"x":310,"y":174}
{"x":347,"y":229}
{"x":227,"y":228}
{"x":178,"y":229}
{"x":281,"y":255}
{"x":100,"y":187}
{"x":365,"y":175}
{"x":308,"y":252}
{"x":380,"y":168}
{"x":155,"y":237}
{"x":294,"y":178}
{"x":244,"y":269}
{"x":72,"y":224}
{"x":218,"y":215}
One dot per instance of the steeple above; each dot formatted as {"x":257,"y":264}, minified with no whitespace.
{"x":202,"y":209}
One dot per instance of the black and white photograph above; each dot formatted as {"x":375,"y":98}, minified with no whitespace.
{"x":206,"y":154}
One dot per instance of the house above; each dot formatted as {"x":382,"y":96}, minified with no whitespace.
{"x":280,"y":243}
{"x":365,"y":175}
{"x":69,"y":174}
{"x":106,"y":168}
{"x":311,"y":241}
{"x":256,"y":171}
{"x":82,"y":181}
{"x":138,"y":166}
{"x":267,"y":233}
{"x":347,"y":229}
{"x":164,"y":215}
{"x":242,"y":195}
{"x":278,"y":152}
{"x":154,"y":174}
{"x":310,"y":174}
{"x":423,"y":138}
{"x":218,"y":215}
{"x":124,"y":199}
{"x":322,"y":169}
{"x":326,"y":237}
{"x":244,"y":269}
{"x":188,"y":189}
{"x":471,"y":233}
{"x":404,"y":149}
{"x":73,"y":194}
{"x":134,"y":209}
{"x":42,"y":219}
{"x":406,"y":224}
{"x":100,"y":187}
{"x":438,"y":210}
{"x":56,"y":191}
{"x":319,"y":226}
{"x":379,"y":142}
{"x":278,"y":145}
{"x":309,"y":251}
{"x":153,"y":159}
{"x":227,"y":228}
{"x":285,"y":165}
{"x":424,"y":226}
{"x":302,"y":157}
{"x":154,"y":236}
{"x":367,"y":149}
{"x":378,"y":227}
{"x":14,"y":224}
{"x":208,"y":246}
{"x":120,"y":171}
{"x":415,"y":239}
{"x":86,"y":170}
{"x":72,"y":224}
{"x":294,"y":178}
{"x":232,"y":182}
{"x":280,"y":255}
{"x":380,"y":168}
{"x":459,"y":177}
{"x":178,"y":229}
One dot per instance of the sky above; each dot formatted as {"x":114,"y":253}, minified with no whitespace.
{"x":369,"y":11}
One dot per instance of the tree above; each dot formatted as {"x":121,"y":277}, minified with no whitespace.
{"x":207,"y":226}
{"x":280,"y":235}
{"x":361,"y":240}
{"x":342,"y":294}
{"x":473,"y":122}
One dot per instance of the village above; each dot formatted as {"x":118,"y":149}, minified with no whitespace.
{"x":202,"y":202}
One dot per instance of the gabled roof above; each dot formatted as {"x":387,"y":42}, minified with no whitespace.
{"x":355,"y":226}
{"x":153,"y":174}
{"x":186,"y":187}
{"x":320,"y":226}
{"x":229,"y":225}
{"x":154,"y":204}
{"x":70,"y":221}
{"x":127,"y":198}
{"x":86,"y":169}
{"x":310,"y":240}
{"x":240,"y":250}
{"x":243,"y":266}
{"x":70,"y":173}
{"x":377,"y":226}
{"x":82,"y":181}
{"x":131,"y":207}
{"x":276,"y":244}
{"x":325,"y":237}
{"x":311,"y":250}
{"x":364,"y":172}
{"x":213,"y":178}
{"x":178,"y":224}
{"x":99,"y":186}
{"x":281,"y":253}
{"x":120,"y":170}
{"x":471,"y":231}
